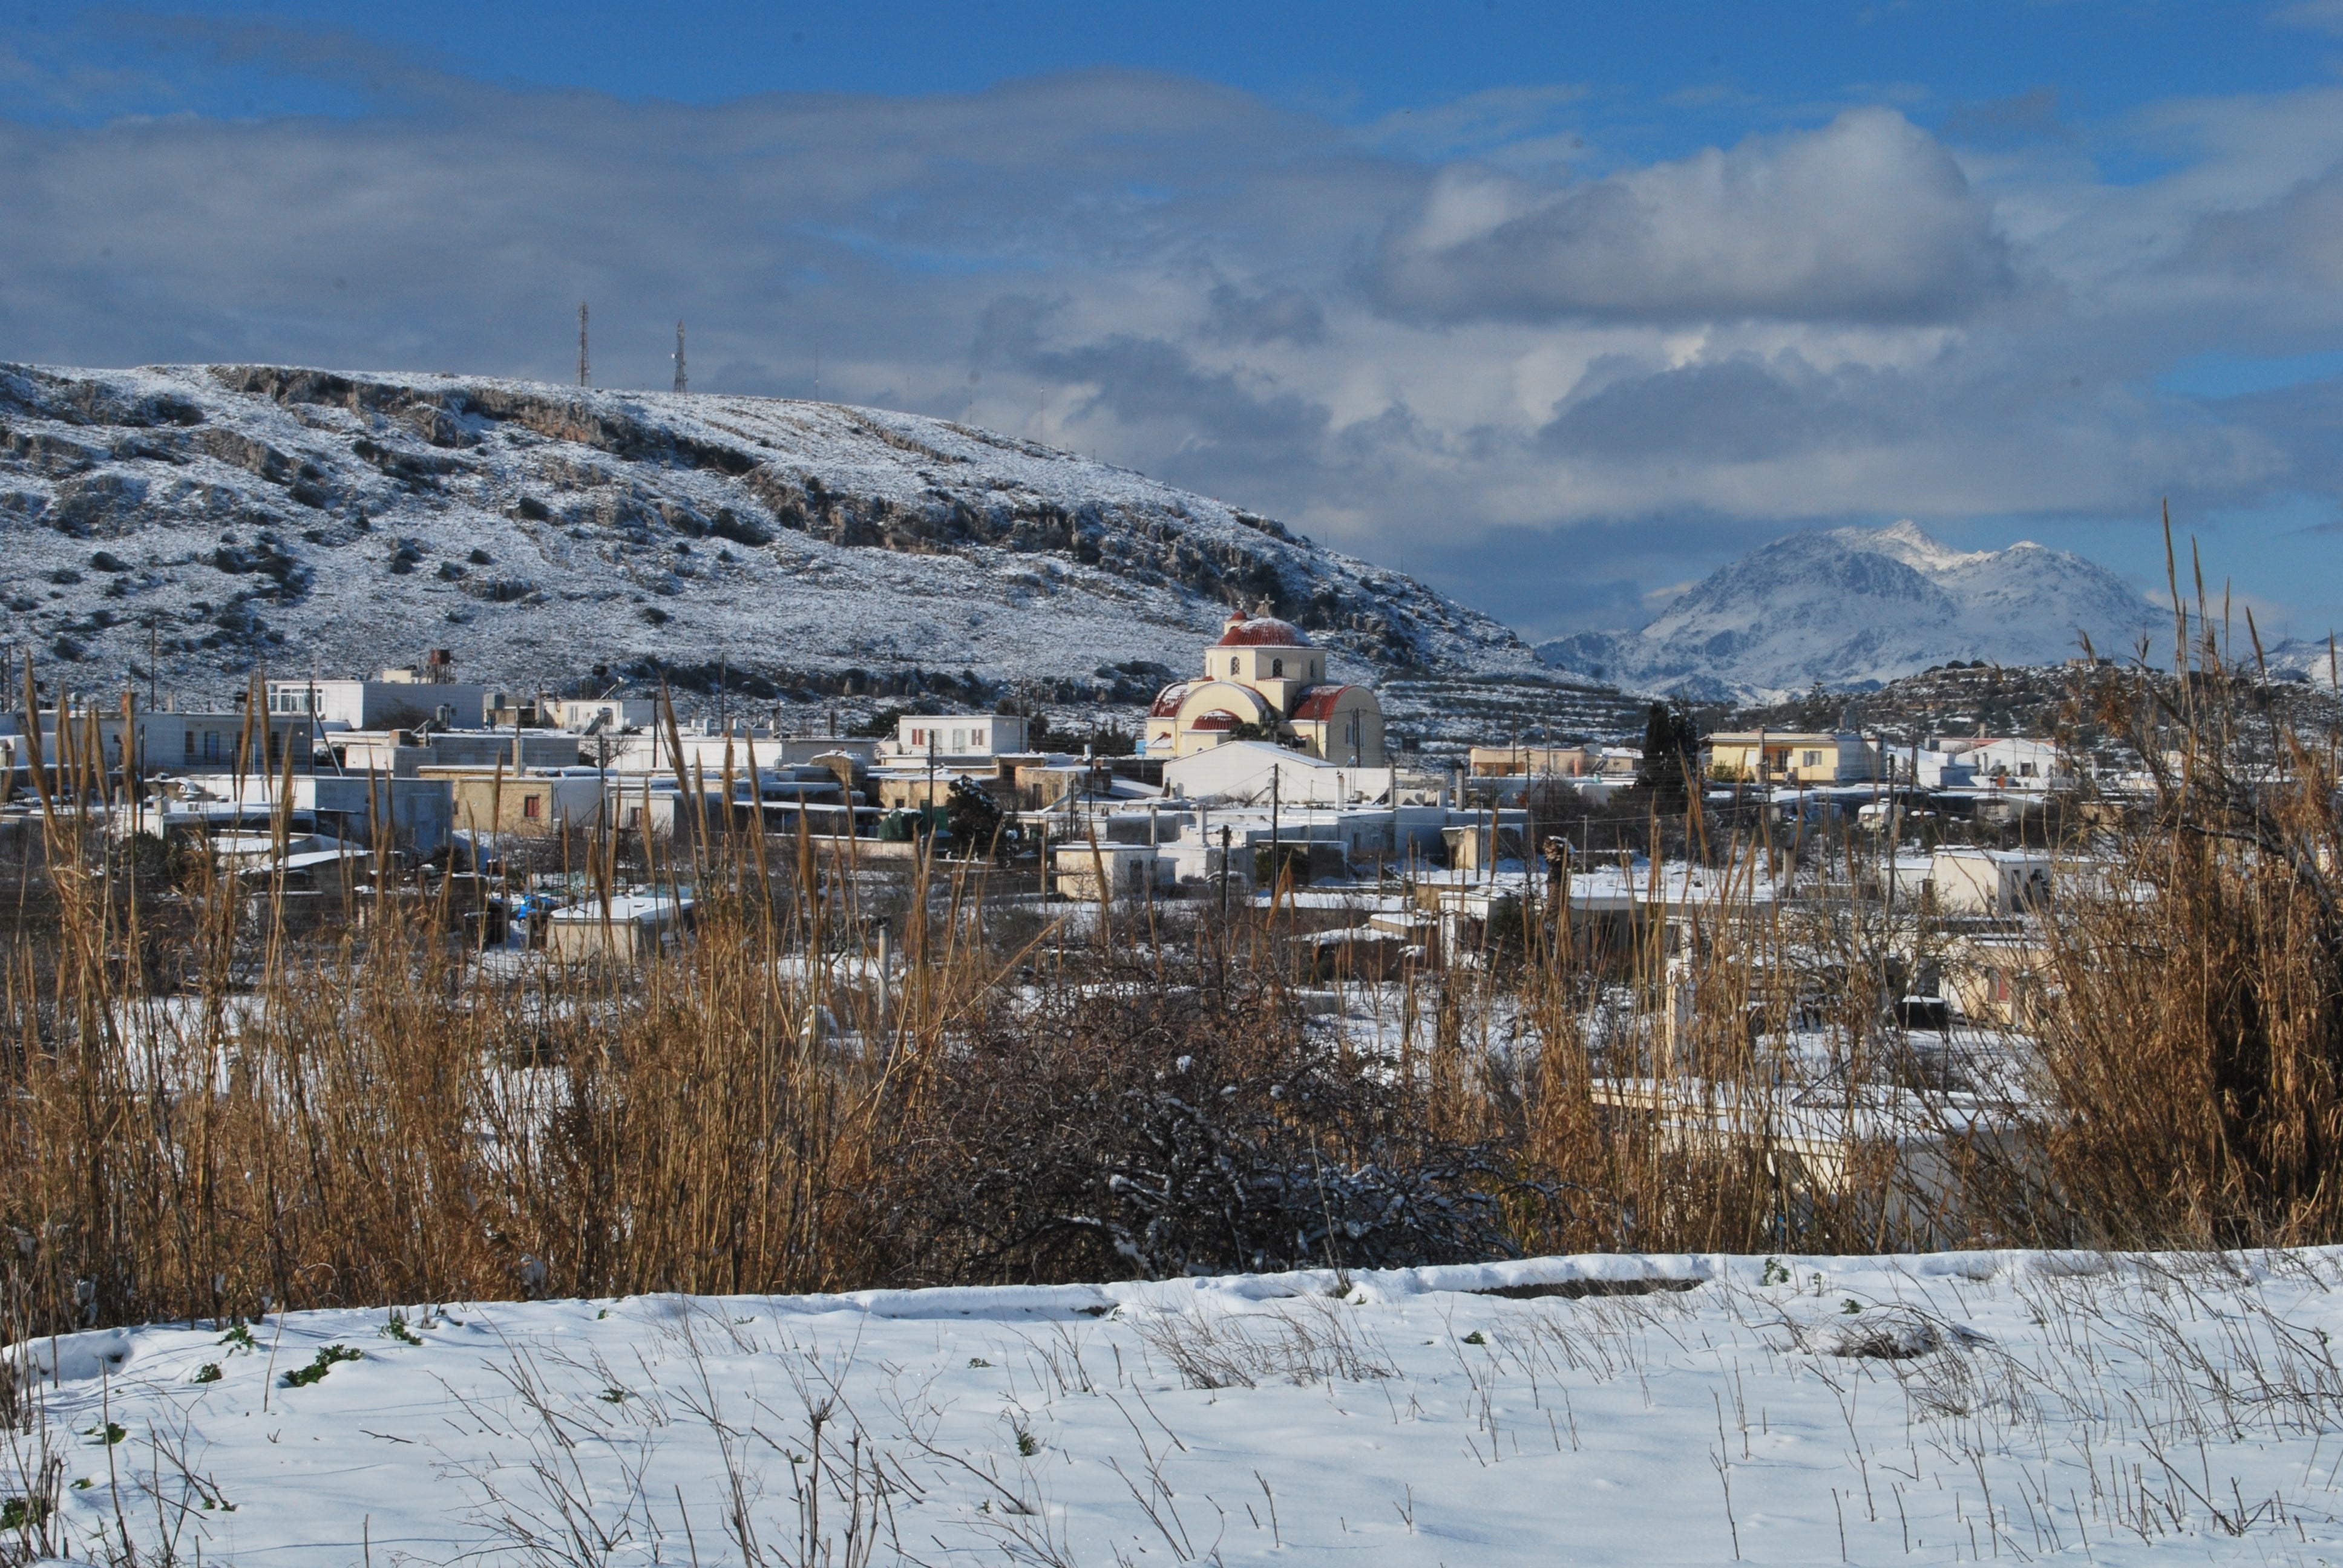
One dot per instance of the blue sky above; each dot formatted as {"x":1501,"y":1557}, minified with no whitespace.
{"x":1559,"y":307}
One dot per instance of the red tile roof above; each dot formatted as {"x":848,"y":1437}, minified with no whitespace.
{"x":1318,"y":703}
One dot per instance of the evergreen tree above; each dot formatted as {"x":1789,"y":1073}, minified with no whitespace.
{"x":1671,"y":755}
{"x":974,"y":822}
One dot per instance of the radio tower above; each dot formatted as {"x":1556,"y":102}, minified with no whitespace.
{"x":581,"y":343}
{"x":682,"y":382}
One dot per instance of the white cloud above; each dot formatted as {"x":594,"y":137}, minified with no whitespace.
{"x":1866,"y":219}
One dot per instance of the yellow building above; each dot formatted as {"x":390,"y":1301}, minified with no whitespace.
{"x":1262,"y":681}
{"x":1792,"y":757}
{"x":1512,"y":761}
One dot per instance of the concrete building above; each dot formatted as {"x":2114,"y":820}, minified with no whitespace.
{"x":1999,"y":978}
{"x":1244,"y":770}
{"x":1264,"y":680}
{"x":394,"y":699}
{"x":631,"y":927}
{"x":1963,"y":762}
{"x":1999,"y":883}
{"x":502,"y":800}
{"x":416,"y":812}
{"x":594,"y":715}
{"x":419,"y":814}
{"x":2011,"y":763}
{"x":1131,"y":871}
{"x":166,"y":742}
{"x":956,"y":737}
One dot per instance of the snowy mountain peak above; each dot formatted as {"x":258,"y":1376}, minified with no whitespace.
{"x":1854,"y":609}
{"x":1916,"y":548}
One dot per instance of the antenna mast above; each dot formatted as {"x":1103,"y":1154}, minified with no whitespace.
{"x":682,"y":383}
{"x":582,"y":344}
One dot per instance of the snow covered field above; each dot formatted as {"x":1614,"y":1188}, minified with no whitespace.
{"x":1943,"y":1408}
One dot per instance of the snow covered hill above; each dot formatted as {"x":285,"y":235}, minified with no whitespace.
{"x":1625,"y":1410}
{"x":229,"y":516}
{"x":1854,"y":608}
{"x":2313,"y":663}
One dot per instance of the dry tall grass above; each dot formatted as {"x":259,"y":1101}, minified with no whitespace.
{"x":2194,"y":1051}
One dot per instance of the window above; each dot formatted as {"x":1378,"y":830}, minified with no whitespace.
{"x":976,"y":739}
{"x":189,"y":736}
{"x":959,"y":741}
{"x":532,"y":806}
{"x":1812,"y":760}
{"x":1233,"y":663}
{"x":1277,"y":668}
{"x":2026,"y":770}
{"x":634,"y":816}
{"x":211,"y":746}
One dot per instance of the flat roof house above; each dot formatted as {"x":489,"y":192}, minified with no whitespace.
{"x":947,"y":736}
{"x":382,"y":703}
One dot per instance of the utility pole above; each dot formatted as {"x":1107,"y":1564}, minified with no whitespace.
{"x":583,"y":370}
{"x":1276,"y":856}
{"x":1224,"y":874}
{"x":817,"y":369}
{"x":682,"y":382}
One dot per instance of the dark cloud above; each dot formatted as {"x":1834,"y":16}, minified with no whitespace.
{"x":1742,"y":410}
{"x":1276,"y":314}
{"x":1868,"y":220}
{"x":1218,"y":423}
{"x":2294,"y":241}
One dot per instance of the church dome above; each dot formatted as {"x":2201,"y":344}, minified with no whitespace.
{"x":1261,"y":630}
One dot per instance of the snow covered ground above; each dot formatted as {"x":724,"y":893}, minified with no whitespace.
{"x":1939,"y":1408}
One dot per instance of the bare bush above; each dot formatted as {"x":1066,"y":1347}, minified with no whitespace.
{"x":1114,"y":1131}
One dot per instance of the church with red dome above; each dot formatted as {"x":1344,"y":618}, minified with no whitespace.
{"x":1264,"y":680}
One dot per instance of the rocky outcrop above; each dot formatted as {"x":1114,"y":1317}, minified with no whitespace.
{"x":540,"y":531}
